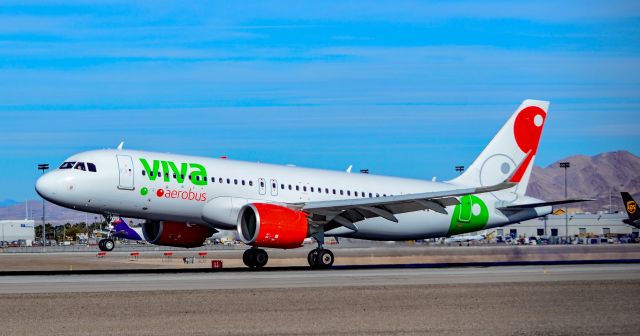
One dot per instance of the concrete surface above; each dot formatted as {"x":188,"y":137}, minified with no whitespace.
{"x":558,"y":300}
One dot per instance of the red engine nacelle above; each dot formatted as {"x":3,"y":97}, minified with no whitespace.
{"x":270,"y":225}
{"x":176,"y":234}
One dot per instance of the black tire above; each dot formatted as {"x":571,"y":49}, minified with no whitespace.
{"x":101,"y":245}
{"x":109,"y":245}
{"x":312,"y":258}
{"x":260,"y":258}
{"x":248,"y":258}
{"x":325,"y":259}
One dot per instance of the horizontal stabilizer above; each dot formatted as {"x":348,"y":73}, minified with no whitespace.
{"x":541,"y":204}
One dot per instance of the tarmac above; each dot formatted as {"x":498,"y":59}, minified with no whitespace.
{"x":382,"y":254}
{"x":526,"y":300}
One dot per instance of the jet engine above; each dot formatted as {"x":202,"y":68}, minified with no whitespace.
{"x":176,"y":234}
{"x":270,"y":225}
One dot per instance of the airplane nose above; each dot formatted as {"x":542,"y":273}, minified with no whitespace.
{"x":45,"y":186}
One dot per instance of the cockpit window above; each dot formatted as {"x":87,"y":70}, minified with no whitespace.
{"x":80,"y":166}
{"x":67,"y":165}
{"x":91,"y":167}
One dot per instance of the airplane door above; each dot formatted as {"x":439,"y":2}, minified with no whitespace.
{"x":262,"y":186}
{"x":465,"y":209}
{"x":125,"y":171}
{"x":274,"y":187}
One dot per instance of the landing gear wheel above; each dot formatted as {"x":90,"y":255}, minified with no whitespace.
{"x":261,"y":258}
{"x":312,"y":258}
{"x":248,"y":257}
{"x":325,"y":259}
{"x":106,"y":244}
{"x":320,"y":258}
{"x":255,"y":258}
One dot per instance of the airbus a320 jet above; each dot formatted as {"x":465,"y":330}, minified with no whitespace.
{"x":185,"y":199}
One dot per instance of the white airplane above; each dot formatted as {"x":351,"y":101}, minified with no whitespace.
{"x":184,"y":199}
{"x":467,"y":239}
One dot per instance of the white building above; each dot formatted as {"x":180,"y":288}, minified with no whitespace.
{"x":578,"y":225}
{"x":12,"y":230}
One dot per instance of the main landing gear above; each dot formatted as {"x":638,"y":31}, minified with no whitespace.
{"x":320,"y":258}
{"x":106,"y":244}
{"x":255,"y":257}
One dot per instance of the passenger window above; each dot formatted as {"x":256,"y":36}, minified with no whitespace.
{"x":319,"y":190}
{"x":80,"y":166}
{"x":175,"y":176}
{"x":289,"y":187}
{"x":91,"y":167}
{"x":144,"y":172}
{"x":304,"y":188}
{"x":334,"y":191}
{"x":198,"y":178}
{"x":220,"y":180}
{"x":326,"y":190}
{"x":370,"y":195}
{"x":297,"y":188}
{"x":67,"y":165}
{"x":281,"y":186}
{"x":348,"y":192}
{"x":182,"y":176}
{"x":250,"y":183}
{"x":311,"y":189}
{"x":341,"y":192}
{"x":377,"y":195}
{"x":273,"y":185}
{"x":355,"y":193}
{"x":213,"y":180}
{"x":261,"y":184}
{"x":235,"y":181}
{"x":228,"y":181}
{"x":242,"y":182}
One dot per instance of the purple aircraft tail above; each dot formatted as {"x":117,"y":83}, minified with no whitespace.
{"x":122,"y":230}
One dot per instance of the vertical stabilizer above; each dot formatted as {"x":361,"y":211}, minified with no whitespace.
{"x":513,"y":147}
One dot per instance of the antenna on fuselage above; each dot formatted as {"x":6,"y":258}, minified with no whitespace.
{"x":121,"y":145}
{"x":349,"y":169}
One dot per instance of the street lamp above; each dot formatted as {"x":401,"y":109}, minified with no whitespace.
{"x":460,"y":169}
{"x":565,"y":165}
{"x":43,"y":167}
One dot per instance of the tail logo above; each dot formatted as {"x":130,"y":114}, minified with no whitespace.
{"x":632,"y":207}
{"x":527,"y":131}
{"x":470,"y":215}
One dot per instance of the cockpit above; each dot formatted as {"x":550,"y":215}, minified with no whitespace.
{"x":84,"y":166}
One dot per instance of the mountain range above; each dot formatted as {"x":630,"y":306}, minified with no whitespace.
{"x":590,"y":177}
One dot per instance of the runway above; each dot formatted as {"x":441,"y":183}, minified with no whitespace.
{"x":314,"y":279}
{"x":552,"y":300}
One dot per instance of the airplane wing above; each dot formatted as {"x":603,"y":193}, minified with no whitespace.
{"x":516,"y":207}
{"x":348,"y":211}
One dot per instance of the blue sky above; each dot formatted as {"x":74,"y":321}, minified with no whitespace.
{"x":406,"y":88}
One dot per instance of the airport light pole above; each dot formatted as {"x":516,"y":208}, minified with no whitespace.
{"x":565,"y":165}
{"x":43,"y":167}
{"x":460,"y":169}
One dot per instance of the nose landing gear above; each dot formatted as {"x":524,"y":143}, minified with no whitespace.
{"x":106,"y":244}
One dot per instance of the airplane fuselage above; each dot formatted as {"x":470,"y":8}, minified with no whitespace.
{"x":200,"y":190}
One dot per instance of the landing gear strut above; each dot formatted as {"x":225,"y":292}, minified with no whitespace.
{"x":106,"y":244}
{"x":255,"y":258}
{"x":320,"y":258}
